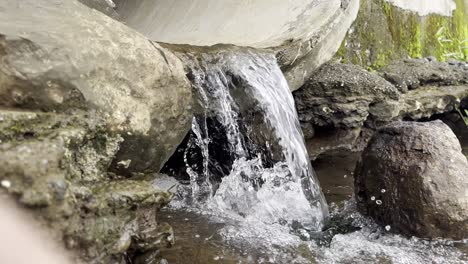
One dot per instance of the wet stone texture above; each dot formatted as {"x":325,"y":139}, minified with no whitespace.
{"x":412,"y":177}
{"x":138,"y":87}
{"x":57,"y":165}
{"x":342,"y":105}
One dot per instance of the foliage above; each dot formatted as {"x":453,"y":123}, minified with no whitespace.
{"x":451,"y":46}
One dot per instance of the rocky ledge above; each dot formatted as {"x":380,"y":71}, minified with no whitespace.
{"x":342,"y":104}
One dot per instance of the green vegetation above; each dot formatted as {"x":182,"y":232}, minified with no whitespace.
{"x":383,"y":32}
{"x":452,"y":47}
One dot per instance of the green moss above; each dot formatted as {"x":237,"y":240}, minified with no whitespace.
{"x":383,"y":32}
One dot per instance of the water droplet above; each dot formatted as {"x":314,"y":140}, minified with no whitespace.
{"x":345,"y":176}
{"x":186,"y":219}
{"x":378,"y":202}
{"x":372,"y":198}
{"x":383,"y":191}
{"x":388,"y":228}
{"x":197,"y":236}
{"x":6,"y":184}
{"x":216,"y":258}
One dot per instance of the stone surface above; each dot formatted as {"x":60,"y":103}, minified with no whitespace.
{"x":304,"y":33}
{"x":57,"y":165}
{"x":426,"y":102}
{"x":412,"y":177}
{"x":411,"y":74}
{"x":60,"y":55}
{"x":341,"y":106}
{"x":344,"y":95}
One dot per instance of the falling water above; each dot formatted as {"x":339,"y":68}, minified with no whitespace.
{"x":246,"y":155}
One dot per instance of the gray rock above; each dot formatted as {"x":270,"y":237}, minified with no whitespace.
{"x":303,"y":34}
{"x":347,"y":100}
{"x":345,"y":96}
{"x":59,"y":55}
{"x":413,"y":73}
{"x":57,"y":164}
{"x":412,"y":177}
{"x":428,"y":101}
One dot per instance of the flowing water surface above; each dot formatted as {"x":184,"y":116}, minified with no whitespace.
{"x":247,"y":192}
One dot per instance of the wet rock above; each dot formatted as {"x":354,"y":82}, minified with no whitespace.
{"x":335,"y":141}
{"x":342,"y":104}
{"x":412,"y":73}
{"x":336,"y":103}
{"x":412,"y":177}
{"x":58,"y":165}
{"x":342,"y":95}
{"x":60,"y":55}
{"x":428,"y":101}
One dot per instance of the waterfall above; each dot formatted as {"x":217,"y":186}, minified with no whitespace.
{"x":246,"y":154}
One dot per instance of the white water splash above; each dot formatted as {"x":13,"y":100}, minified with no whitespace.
{"x":284,"y":193}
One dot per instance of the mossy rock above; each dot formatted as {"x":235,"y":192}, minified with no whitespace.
{"x":383,"y":33}
{"x":57,"y":166}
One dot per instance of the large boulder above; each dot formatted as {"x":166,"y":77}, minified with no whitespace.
{"x":56,"y":165}
{"x":303,"y":33}
{"x":412,"y":178}
{"x":59,"y":55}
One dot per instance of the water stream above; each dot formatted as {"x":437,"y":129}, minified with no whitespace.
{"x":246,"y":156}
{"x":247,"y":191}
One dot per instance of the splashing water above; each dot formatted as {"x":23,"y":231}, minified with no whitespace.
{"x":246,"y":155}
